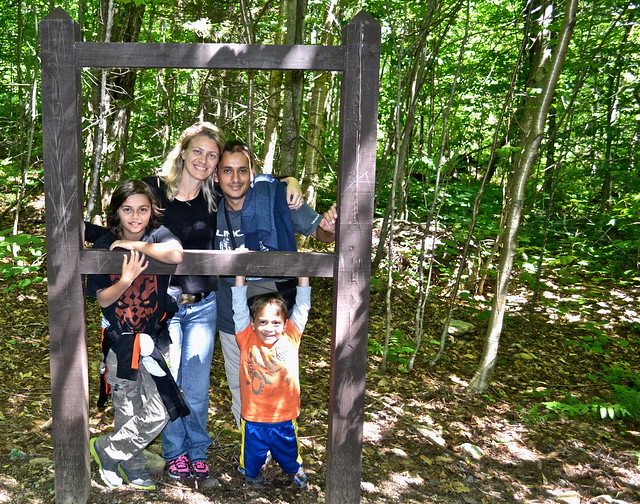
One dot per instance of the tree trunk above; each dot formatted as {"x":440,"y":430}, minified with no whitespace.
{"x":313,"y":158}
{"x":116,"y":92}
{"x":293,"y":88}
{"x":536,"y":72}
{"x":432,"y":211}
{"x":24,"y":114}
{"x":611,"y":135}
{"x":250,"y":39}
{"x":274,"y":104}
{"x":410,"y":81}
{"x":532,"y":137}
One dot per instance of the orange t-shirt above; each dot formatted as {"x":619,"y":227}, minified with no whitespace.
{"x":269,"y":376}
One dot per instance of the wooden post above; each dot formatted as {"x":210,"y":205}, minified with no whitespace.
{"x":62,"y":142}
{"x":352,"y":270}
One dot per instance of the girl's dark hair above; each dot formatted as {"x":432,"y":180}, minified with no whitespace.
{"x":272,"y":298}
{"x":120,"y":195}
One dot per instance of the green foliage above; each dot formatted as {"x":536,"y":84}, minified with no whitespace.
{"x":595,"y":342}
{"x":573,"y":408}
{"x":537,"y":414}
{"x":20,"y":257}
{"x":629,"y":399}
{"x":626,"y":399}
{"x":399,"y":348}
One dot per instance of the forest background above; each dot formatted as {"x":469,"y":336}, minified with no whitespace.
{"x":508,"y":178}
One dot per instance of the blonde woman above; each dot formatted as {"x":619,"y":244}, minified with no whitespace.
{"x":186,"y":191}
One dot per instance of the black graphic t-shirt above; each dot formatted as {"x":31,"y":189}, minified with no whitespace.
{"x":194,"y":226}
{"x":143,"y":304}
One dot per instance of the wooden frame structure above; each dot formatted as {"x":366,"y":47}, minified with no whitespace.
{"x":63,"y":57}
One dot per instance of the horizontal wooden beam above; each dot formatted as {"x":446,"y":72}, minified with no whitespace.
{"x":220,"y":262}
{"x":228,"y":56}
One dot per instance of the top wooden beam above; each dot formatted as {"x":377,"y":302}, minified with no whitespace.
{"x":193,"y":56}
{"x":224,"y":56}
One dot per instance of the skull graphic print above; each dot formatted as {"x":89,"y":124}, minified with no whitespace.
{"x":136,"y":307}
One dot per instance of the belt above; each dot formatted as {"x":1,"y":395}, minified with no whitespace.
{"x":193,"y":298}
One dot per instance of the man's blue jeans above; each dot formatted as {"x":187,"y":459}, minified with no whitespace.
{"x":193,"y":331}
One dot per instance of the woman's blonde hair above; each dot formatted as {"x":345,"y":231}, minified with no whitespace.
{"x":173,"y":165}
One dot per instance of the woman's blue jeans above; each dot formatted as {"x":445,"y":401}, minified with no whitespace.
{"x":193,"y":331}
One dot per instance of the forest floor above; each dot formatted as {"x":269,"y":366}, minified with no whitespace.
{"x":417,"y":425}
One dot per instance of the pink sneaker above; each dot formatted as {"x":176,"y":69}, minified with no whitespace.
{"x":200,"y":470}
{"x":179,"y":468}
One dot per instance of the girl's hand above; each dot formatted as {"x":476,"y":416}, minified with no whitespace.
{"x":294,"y":193}
{"x":123,"y":244}
{"x":240,"y":281}
{"x":133,"y":266}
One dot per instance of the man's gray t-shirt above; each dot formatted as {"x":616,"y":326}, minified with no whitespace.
{"x":305,"y":221}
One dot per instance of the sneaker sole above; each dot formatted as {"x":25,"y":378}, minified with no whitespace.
{"x":132,"y":484}
{"x":179,"y":477}
{"x":96,"y":457}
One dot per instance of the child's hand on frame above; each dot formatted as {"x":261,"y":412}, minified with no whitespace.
{"x":133,"y":266}
{"x":123,"y":244}
{"x":240,"y":280}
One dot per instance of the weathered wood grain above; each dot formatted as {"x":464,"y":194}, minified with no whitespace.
{"x":62,"y":139}
{"x":230,"y":56}
{"x":219,"y":262}
{"x":356,"y":186}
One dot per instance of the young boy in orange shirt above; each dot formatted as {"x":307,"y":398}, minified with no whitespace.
{"x":269,"y":379}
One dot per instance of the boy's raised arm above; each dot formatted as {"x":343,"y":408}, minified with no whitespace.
{"x":241,"y":316}
{"x":300,"y":313}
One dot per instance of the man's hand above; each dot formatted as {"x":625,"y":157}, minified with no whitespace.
{"x":326,"y":231}
{"x":328,"y":222}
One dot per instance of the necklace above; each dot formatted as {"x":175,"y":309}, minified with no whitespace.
{"x":186,"y":199}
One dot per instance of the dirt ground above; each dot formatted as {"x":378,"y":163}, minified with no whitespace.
{"x":420,"y":427}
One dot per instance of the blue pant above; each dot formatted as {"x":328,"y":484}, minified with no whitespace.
{"x":192,"y":331}
{"x":280,"y":438}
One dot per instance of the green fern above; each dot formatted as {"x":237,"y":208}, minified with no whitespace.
{"x":629,"y":399}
